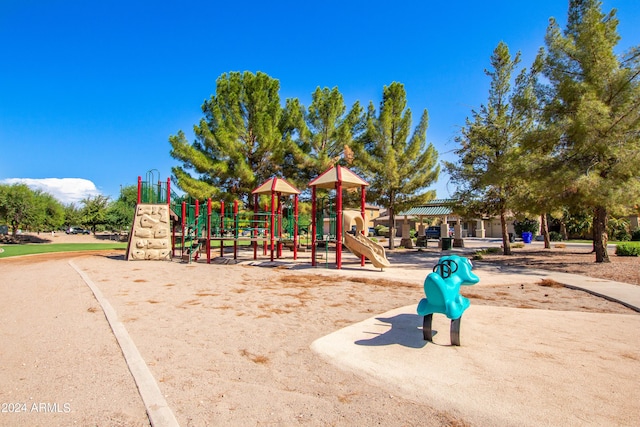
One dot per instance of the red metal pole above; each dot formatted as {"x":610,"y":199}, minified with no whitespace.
{"x":184,"y":215}
{"x":313,"y":226}
{"x":209,"y":230}
{"x":197,"y":231}
{"x":273,"y":223}
{"x":255,"y":226}
{"x":339,"y":225}
{"x":266,"y":226}
{"x":295,"y":227}
{"x":168,"y":191}
{"x":363,"y":211}
{"x":235,"y":229}
{"x":279,"y":225}
{"x":139,"y":188}
{"x":222,"y":228}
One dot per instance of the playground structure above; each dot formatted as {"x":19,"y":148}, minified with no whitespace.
{"x":167,"y":225}
{"x":442,"y":291}
{"x":339,"y":178}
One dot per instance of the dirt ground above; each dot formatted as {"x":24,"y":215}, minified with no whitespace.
{"x":570,"y":260}
{"x":227,"y":344}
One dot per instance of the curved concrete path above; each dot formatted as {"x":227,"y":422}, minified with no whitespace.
{"x":159,"y":412}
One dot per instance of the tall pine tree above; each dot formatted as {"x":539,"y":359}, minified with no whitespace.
{"x":399,"y":167}
{"x":489,"y":174}
{"x":239,"y":142}
{"x":321,"y":136}
{"x":593,"y":114}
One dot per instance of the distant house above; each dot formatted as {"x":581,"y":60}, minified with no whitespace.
{"x":372,"y":213}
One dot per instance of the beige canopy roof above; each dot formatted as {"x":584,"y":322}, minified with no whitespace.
{"x":276,"y":185}
{"x":330,"y":177}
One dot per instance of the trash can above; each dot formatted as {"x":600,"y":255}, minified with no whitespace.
{"x":512,"y":237}
{"x":446,"y":243}
{"x":526,"y":236}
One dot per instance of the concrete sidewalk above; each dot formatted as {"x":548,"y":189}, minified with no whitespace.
{"x":520,"y":367}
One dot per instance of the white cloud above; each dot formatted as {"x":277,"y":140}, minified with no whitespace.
{"x":66,"y":190}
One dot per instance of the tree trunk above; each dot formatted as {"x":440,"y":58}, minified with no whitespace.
{"x":545,"y":230}
{"x":563,"y":231}
{"x":506,"y":244}
{"x":392,"y":229}
{"x":600,"y":237}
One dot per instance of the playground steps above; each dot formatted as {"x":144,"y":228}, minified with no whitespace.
{"x":191,"y":252}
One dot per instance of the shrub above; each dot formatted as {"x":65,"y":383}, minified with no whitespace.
{"x":626,"y":249}
{"x":486,"y":251}
{"x":622,"y":236}
{"x":381,"y":230}
{"x":554,"y":236}
{"x":635,"y":236}
{"x":617,"y":229}
{"x":526,"y":224}
{"x":517,"y":245}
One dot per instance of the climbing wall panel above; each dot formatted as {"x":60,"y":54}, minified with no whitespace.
{"x":150,"y":237}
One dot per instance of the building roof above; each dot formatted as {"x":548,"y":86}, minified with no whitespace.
{"x":438,"y":207}
{"x":428,"y":211}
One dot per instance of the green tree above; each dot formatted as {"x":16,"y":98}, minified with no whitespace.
{"x":592,"y":112}
{"x":322,"y":136}
{"x":50,"y":212}
{"x":120,"y":212}
{"x":94,"y":211}
{"x":238,"y":142}
{"x":72,"y":215}
{"x":399,"y":166}
{"x":18,"y":206}
{"x":489,"y":172}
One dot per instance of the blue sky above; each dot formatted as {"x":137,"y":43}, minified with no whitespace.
{"x":93,"y":90}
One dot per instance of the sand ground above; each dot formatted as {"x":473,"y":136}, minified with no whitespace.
{"x":231,"y":344}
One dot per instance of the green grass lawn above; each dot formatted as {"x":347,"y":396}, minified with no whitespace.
{"x":38,"y":248}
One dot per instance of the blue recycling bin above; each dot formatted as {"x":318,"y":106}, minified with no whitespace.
{"x":526,"y":236}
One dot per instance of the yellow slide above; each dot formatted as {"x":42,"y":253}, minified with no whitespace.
{"x":359,"y":244}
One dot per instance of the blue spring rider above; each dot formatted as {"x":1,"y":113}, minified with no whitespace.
{"x":442,"y":290}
